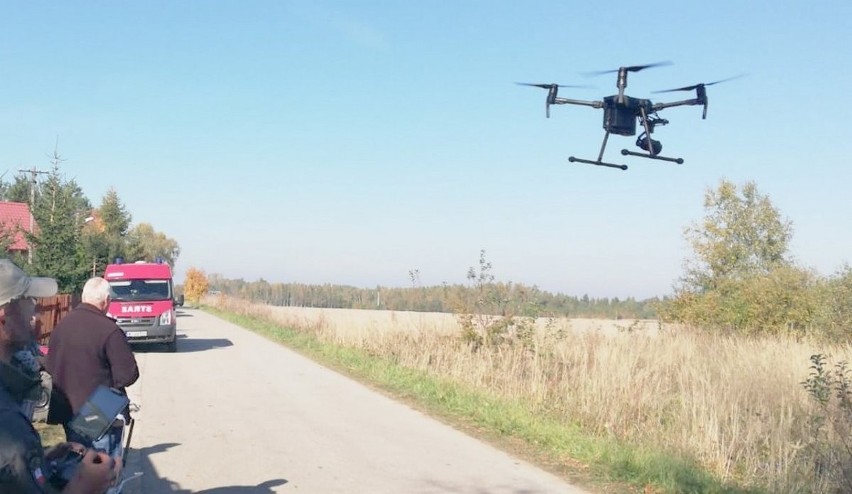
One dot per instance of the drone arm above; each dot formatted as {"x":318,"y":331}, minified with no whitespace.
{"x":662,"y":106}
{"x":567,"y":101}
{"x":693,"y":101}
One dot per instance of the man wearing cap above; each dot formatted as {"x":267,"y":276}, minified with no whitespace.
{"x":22,"y":459}
{"x":87,"y":349}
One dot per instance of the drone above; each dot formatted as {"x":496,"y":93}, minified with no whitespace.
{"x":622,"y":112}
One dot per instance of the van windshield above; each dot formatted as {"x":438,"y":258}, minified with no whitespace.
{"x":134,"y":290}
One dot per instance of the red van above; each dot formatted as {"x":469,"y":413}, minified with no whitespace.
{"x":143,"y":302}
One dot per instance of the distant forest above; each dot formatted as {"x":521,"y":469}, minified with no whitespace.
{"x":523,"y":300}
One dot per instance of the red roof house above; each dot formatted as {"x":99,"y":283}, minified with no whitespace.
{"x":15,"y":219}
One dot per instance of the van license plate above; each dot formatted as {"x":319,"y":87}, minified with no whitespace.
{"x":136,"y":334}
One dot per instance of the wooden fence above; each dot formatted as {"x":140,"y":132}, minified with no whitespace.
{"x":50,"y":311}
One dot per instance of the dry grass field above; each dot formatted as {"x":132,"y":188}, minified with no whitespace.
{"x":735,"y":405}
{"x":363,"y":322}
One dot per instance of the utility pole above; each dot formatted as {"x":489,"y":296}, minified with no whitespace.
{"x":34,"y":172}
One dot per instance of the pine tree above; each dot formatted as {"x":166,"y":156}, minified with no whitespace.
{"x":56,"y":243}
{"x":116,"y":223}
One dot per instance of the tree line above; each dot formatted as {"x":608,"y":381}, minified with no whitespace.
{"x":74,"y":240}
{"x":517,"y":298}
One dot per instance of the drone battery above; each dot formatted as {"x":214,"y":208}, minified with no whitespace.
{"x":619,"y":119}
{"x":97,"y":415}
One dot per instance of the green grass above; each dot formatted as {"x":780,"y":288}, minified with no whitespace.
{"x":599,"y":463}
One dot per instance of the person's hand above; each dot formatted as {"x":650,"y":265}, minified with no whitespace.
{"x":96,"y":473}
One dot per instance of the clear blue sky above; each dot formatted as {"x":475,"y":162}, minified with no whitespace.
{"x":351,"y":142}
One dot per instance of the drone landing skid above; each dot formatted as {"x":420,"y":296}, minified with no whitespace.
{"x":626,"y":152}
{"x":572,"y":159}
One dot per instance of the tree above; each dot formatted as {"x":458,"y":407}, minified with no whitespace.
{"x":741,"y":279}
{"x":114,"y":215}
{"x":56,"y":245}
{"x":492,"y":313}
{"x":836,"y":311}
{"x":19,"y":190}
{"x":96,"y":247}
{"x":116,"y":222}
{"x":146,"y":243}
{"x":195,"y":286}
{"x":742,"y":234}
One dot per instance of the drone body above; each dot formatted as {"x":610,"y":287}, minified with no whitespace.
{"x":620,"y":118}
{"x":622,"y":113}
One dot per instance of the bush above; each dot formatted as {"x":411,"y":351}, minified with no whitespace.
{"x":195,"y":285}
{"x":831,"y":424}
{"x":488,"y":313}
{"x":782,"y":301}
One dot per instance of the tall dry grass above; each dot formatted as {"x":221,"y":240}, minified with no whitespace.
{"x":735,"y":405}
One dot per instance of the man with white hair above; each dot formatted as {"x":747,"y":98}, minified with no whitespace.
{"x":87,"y":349}
{"x":23,"y":462}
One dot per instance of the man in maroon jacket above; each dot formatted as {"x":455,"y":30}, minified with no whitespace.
{"x":88,"y":349}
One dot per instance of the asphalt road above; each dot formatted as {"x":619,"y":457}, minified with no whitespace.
{"x":232,"y":413}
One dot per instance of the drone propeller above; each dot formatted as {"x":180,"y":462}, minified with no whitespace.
{"x":545,"y":86}
{"x":700,"y":91}
{"x":552,"y":89}
{"x":696,"y":86}
{"x":631,"y":68}
{"x":621,"y":81}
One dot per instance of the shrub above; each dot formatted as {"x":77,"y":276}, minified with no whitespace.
{"x":489,"y":315}
{"x":831,"y":445}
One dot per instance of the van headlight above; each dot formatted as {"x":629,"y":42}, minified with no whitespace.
{"x":166,"y":318}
